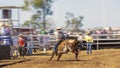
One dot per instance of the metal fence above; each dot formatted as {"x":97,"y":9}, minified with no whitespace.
{"x":106,"y":39}
{"x":99,"y":39}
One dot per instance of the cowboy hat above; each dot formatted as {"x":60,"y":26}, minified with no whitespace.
{"x":58,"y":28}
{"x":20,"y":35}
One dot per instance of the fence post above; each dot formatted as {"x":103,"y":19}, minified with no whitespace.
{"x":97,"y":42}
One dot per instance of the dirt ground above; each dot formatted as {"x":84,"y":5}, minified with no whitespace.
{"x":107,"y":58}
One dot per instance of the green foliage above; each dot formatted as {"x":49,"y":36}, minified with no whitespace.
{"x":39,"y":8}
{"x":37,"y":3}
{"x":26,"y":23}
{"x":73,"y":23}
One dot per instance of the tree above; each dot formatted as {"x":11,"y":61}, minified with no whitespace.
{"x":41,"y":9}
{"x":73,"y":23}
{"x":34,"y":22}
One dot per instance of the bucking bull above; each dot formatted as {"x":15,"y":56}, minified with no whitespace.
{"x":69,"y":45}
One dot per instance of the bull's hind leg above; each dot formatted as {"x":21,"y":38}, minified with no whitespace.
{"x":53,"y":53}
{"x":59,"y":56}
{"x":76,"y":55}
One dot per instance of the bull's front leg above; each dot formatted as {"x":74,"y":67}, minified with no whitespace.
{"x":59,"y":56}
{"x":53,"y":53}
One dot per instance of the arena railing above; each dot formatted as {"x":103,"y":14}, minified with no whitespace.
{"x":106,"y":39}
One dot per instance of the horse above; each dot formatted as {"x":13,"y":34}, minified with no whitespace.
{"x":69,"y":45}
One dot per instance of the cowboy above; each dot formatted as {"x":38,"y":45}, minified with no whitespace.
{"x":59,"y":36}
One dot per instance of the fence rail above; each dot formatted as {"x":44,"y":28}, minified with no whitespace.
{"x":99,"y":39}
{"x":106,"y":39}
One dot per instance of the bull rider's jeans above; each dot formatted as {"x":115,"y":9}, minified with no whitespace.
{"x":56,"y":45}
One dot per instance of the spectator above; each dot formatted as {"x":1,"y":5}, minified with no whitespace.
{"x":98,"y":31}
{"x":21,"y":43}
{"x":29,"y":44}
{"x":104,"y":32}
{"x":110,"y":31}
{"x":3,"y":29}
{"x":7,"y":30}
{"x":15,"y":32}
{"x":89,"y":41}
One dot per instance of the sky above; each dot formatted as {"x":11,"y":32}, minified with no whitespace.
{"x":97,"y":13}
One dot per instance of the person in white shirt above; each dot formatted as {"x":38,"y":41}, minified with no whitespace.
{"x":59,"y":38}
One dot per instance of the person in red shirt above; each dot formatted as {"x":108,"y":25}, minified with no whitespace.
{"x":21,"y":44}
